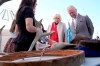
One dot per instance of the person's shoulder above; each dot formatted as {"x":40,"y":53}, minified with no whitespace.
{"x":62,"y":23}
{"x":27,"y":7}
{"x":50,"y":23}
{"x":86,"y":16}
{"x":83,"y":15}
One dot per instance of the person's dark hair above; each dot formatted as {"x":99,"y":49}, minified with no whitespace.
{"x":30,"y":3}
{"x":12,"y":28}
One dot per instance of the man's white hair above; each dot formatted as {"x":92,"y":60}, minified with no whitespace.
{"x":71,"y":7}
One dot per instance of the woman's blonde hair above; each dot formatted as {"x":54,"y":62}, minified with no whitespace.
{"x":57,"y":15}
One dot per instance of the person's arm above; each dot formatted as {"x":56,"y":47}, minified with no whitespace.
{"x":90,"y":26}
{"x":29,"y":20}
{"x":29,"y":25}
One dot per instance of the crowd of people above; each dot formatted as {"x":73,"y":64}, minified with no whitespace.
{"x":25,"y":27}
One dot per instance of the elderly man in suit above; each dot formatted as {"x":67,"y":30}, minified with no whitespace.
{"x":79,"y":24}
{"x":59,"y":29}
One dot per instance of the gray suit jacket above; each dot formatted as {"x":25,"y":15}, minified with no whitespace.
{"x":62,"y":34}
{"x":84,"y":26}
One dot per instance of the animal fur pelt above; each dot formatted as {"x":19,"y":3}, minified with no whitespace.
{"x":39,"y":33}
{"x":78,"y":38}
{"x":82,"y":40}
{"x":93,"y":44}
{"x":62,"y":45}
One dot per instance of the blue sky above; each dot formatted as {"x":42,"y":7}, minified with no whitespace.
{"x":46,"y":8}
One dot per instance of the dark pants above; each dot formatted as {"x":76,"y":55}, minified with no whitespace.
{"x":23,"y":46}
